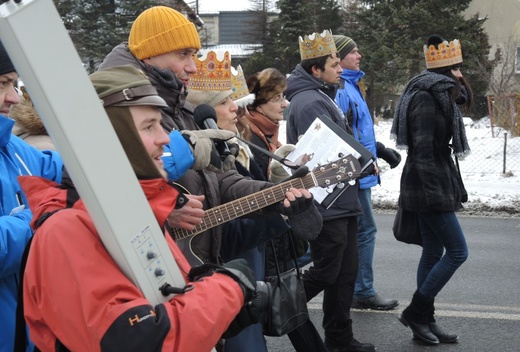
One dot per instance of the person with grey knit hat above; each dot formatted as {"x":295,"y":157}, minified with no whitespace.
{"x":428,"y":124}
{"x":118,"y":316}
{"x":351,"y":100}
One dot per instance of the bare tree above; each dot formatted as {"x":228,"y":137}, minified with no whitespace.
{"x":504,"y":78}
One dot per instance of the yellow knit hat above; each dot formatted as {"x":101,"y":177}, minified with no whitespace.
{"x":160,"y":30}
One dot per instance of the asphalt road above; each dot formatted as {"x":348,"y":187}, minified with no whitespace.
{"x":481,"y":303}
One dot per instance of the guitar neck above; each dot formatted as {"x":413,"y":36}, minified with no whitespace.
{"x":245,"y":205}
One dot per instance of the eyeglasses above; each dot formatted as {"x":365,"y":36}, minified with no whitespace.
{"x":278,"y":98}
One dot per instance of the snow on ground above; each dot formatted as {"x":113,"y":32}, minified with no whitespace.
{"x":490,"y":192}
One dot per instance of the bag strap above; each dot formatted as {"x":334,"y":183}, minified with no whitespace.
{"x":275,"y":259}
{"x":293,"y":254}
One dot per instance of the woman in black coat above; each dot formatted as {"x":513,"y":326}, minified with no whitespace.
{"x":428,"y":123}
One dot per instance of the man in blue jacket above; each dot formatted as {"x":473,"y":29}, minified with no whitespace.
{"x":353,"y":104}
{"x":16,"y":158}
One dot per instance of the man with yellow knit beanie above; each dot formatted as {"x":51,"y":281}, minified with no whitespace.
{"x":163,"y":43}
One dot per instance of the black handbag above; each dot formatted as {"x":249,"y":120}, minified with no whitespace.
{"x":288,"y":306}
{"x":406,"y":227}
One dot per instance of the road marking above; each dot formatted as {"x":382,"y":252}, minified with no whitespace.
{"x":448,"y":310}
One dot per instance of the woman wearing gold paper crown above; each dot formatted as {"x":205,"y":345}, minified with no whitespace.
{"x":428,"y":123}
{"x":214,"y":85}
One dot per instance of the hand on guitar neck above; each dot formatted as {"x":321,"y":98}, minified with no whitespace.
{"x":342,"y":170}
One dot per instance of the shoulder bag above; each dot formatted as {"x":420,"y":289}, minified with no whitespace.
{"x":406,"y":227}
{"x":288,"y":307}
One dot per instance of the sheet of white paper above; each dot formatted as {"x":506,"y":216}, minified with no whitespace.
{"x":319,"y":146}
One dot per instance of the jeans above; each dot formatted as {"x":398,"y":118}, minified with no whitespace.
{"x":334,"y":270}
{"x":439,"y":231}
{"x":366,"y":239}
{"x":251,"y":338}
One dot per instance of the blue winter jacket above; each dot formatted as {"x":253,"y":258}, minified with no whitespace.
{"x":16,"y":158}
{"x":349,"y":97}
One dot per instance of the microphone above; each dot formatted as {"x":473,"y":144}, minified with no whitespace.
{"x":206,"y":118}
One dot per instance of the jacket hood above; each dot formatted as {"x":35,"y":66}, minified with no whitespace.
{"x":351,"y":75}
{"x":300,"y":81}
{"x":27,"y":118}
{"x":46,"y":196}
{"x":168,"y":85}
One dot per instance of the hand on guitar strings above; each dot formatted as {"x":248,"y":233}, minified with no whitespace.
{"x":190,"y":215}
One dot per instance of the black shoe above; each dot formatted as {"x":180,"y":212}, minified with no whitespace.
{"x":420,"y":331}
{"x":375,"y":302}
{"x":443,"y":337}
{"x":355,"y":346}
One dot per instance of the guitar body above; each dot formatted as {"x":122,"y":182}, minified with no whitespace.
{"x":189,"y":249}
{"x":345,"y":169}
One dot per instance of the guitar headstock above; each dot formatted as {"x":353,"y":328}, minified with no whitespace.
{"x":344,"y":169}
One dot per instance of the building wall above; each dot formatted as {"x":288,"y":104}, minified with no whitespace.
{"x":503,"y":23}
{"x":503,"y":28}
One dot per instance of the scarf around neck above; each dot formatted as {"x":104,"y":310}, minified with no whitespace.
{"x":439,"y":86}
{"x":265,"y":129}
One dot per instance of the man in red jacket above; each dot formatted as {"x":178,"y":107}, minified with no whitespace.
{"x":75,"y":296}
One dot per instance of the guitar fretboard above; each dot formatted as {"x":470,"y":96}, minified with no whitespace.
{"x":245,"y":205}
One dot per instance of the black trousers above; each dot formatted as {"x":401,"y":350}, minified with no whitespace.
{"x":335,"y":265}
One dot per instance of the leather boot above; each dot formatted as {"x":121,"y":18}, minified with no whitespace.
{"x":416,"y":317}
{"x":443,"y":336}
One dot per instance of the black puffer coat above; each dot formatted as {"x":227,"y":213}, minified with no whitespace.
{"x":430,"y":180}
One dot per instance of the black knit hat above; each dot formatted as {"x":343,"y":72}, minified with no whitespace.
{"x":6,"y":66}
{"x":344,"y":45}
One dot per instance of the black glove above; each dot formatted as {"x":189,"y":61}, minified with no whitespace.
{"x":256,"y":298}
{"x":254,"y":311}
{"x":236,"y":269}
{"x":391,"y":156}
{"x":298,"y":206}
{"x":256,"y":295}
{"x":306,"y":223}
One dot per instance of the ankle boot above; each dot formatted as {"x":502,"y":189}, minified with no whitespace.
{"x":443,"y":336}
{"x":416,"y":316}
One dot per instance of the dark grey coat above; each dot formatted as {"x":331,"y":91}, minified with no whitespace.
{"x":430,"y":179}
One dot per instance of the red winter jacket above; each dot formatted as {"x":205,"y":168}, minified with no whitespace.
{"x":74,"y":292}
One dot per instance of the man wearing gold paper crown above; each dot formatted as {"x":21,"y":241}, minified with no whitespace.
{"x":428,"y":123}
{"x":311,"y":89}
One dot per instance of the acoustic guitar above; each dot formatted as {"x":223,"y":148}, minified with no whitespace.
{"x":344,"y":169}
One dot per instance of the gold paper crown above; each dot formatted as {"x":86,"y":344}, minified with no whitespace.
{"x":447,"y":54}
{"x":213,"y":71}
{"x":317,"y":45}
{"x":240,"y":95}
